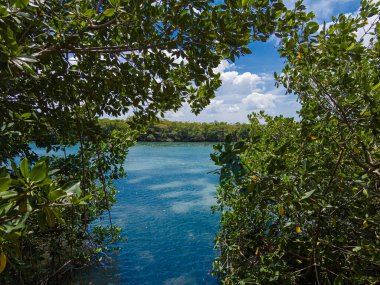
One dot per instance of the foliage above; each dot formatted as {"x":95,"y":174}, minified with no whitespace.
{"x":168,"y":131}
{"x":300,"y":200}
{"x":46,"y":211}
{"x":31,"y":194}
{"x":63,"y":64}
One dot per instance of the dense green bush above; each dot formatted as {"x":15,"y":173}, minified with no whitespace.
{"x":300,"y":200}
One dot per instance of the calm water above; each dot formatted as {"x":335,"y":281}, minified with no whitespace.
{"x":164,"y":209}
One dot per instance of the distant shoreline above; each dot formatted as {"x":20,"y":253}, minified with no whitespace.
{"x":172,"y":131}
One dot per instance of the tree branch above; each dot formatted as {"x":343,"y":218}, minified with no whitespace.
{"x":107,"y":49}
{"x":102,"y":26}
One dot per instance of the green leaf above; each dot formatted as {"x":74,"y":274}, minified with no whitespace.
{"x":53,"y":171}
{"x":312,"y":27}
{"x":352,"y":45}
{"x":5,"y":208}
{"x":356,"y":248}
{"x":376,"y":86}
{"x":307,"y":194}
{"x":27,"y":58}
{"x":58,"y":215}
{"x":24,"y":167}
{"x":109,"y":12}
{"x":8,"y":194}
{"x":89,"y":13}
{"x":5,"y":182}
{"x":73,"y":188}
{"x":244,"y":3}
{"x":26,"y":115}
{"x":82,"y":201}
{"x":15,"y":169}
{"x":20,"y":223}
{"x":39,"y":172}
{"x":278,"y":14}
{"x":49,"y":217}
{"x":56,"y":194}
{"x":20,"y":3}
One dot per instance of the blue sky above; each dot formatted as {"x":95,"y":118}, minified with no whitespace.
{"x":248,"y":84}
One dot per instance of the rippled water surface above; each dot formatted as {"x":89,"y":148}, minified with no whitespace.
{"x":164,"y":209}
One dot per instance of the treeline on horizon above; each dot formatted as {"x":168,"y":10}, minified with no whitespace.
{"x":173,"y":131}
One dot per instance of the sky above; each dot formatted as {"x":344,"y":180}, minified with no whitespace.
{"x":248,"y":84}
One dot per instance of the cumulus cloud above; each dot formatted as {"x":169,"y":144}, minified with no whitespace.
{"x":224,"y":65}
{"x":215,"y":106}
{"x":240,"y":94}
{"x":218,"y":106}
{"x":259,"y":101}
{"x":245,"y":79}
{"x":233,"y":109}
{"x":235,"y":83}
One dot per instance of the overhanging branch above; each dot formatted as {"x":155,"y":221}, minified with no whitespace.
{"x":107,"y":49}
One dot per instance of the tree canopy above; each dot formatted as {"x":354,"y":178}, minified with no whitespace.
{"x":300,"y":200}
{"x":64,"y":64}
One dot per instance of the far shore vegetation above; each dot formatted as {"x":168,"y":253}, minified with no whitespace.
{"x":172,"y":131}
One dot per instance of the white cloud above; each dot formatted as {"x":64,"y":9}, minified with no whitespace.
{"x":239,"y":95}
{"x":323,"y":9}
{"x":237,"y":85}
{"x":365,"y":32}
{"x":246,"y":78}
{"x":233,"y":109}
{"x":215,"y":106}
{"x":224,"y":65}
{"x":259,"y":101}
{"x":178,"y":115}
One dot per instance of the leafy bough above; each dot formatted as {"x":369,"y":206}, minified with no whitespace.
{"x":30,"y":195}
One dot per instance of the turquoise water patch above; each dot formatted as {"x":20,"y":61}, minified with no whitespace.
{"x":164,"y":209}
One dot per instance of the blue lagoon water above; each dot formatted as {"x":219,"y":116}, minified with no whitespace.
{"x":164,"y":209}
